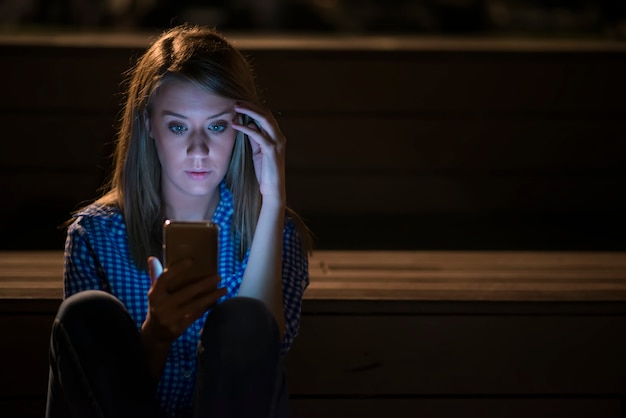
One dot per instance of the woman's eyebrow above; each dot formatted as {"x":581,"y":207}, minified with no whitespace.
{"x":178,"y":115}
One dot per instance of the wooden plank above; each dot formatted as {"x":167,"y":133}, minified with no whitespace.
{"x":400,"y":275}
{"x":426,"y":80}
{"x":341,"y":194}
{"x":31,"y":274}
{"x":29,"y":407}
{"x":465,"y":292}
{"x":450,"y":355}
{"x":73,"y":142}
{"x":529,"y":276}
{"x":457,"y":407}
{"x":319,"y":41}
{"x":389,"y":193}
{"x":51,"y":186}
{"x":351,"y":194}
{"x":26,"y":373}
{"x":63,"y":79}
{"x":451,"y":260}
{"x":432,"y":145}
{"x":470,"y":83}
{"x":25,"y":259}
{"x":399,"y":408}
{"x":420,"y":144}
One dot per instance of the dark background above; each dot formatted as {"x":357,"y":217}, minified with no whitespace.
{"x":433,"y":124}
{"x":492,"y":125}
{"x":601,"y":18}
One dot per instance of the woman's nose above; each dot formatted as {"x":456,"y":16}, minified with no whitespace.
{"x":198,"y":146}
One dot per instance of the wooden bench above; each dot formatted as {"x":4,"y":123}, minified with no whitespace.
{"x":436,"y":334}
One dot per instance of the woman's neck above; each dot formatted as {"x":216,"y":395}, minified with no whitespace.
{"x":195,"y":208}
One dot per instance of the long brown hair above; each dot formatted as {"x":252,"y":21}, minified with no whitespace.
{"x":201,"y":56}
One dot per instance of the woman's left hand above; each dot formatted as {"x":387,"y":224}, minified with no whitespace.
{"x":268,"y":148}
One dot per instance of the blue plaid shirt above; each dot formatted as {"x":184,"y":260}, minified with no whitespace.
{"x":97,"y":256}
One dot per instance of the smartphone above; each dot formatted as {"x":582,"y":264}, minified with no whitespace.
{"x":190,"y":240}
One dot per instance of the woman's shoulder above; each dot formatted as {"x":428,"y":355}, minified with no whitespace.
{"x":296,"y":231}
{"x":97,"y":215}
{"x":98,"y":210}
{"x":294,"y":224}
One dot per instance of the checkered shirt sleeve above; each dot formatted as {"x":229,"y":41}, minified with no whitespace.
{"x":295,"y":281}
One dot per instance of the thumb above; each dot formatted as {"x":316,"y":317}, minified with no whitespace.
{"x":154,"y":269}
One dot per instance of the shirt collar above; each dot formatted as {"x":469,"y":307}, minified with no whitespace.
{"x":225,"y":208}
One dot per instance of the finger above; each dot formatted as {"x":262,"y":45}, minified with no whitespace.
{"x":253,"y":133}
{"x":170,"y":275}
{"x":176,"y":311}
{"x":195,"y":308}
{"x":155,"y":269}
{"x":265,"y":119}
{"x":260,"y":141}
{"x":255,"y":111}
{"x":185,"y":295}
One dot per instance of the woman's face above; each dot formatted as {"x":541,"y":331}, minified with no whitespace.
{"x":193,"y":137}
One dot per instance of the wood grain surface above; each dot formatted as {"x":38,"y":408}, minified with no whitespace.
{"x":397,"y":275}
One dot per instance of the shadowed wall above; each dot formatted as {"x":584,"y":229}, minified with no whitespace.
{"x":394,"y":143}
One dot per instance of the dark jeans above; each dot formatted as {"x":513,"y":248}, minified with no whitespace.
{"x":98,"y":367}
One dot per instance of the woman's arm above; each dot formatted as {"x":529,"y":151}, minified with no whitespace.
{"x":295,"y":271}
{"x":80,"y":271}
{"x":263,"y":276}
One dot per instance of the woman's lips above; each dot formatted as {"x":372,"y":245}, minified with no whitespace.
{"x":197,"y":175}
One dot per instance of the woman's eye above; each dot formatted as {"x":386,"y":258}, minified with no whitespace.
{"x":177,"y":129}
{"x":217,"y":127}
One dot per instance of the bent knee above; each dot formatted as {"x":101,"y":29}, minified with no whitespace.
{"x":243,"y":313}
{"x":89,"y":311}
{"x":241,"y":322}
{"x":86,"y":303}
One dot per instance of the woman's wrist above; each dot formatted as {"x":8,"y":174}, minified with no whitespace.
{"x":156,"y":350}
{"x":274,"y":202}
{"x":151,"y":338}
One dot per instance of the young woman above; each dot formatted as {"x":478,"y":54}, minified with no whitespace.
{"x":195,"y":143}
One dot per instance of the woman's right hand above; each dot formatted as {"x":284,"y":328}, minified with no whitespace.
{"x":170,"y":313}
